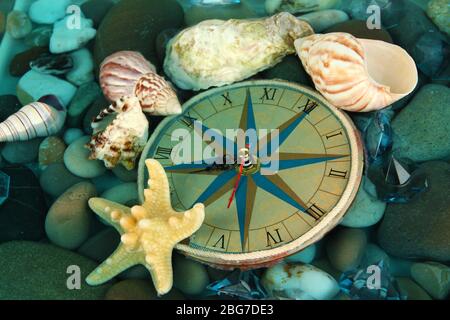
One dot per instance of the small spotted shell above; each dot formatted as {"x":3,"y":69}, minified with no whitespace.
{"x":357,"y":75}
{"x":120,"y":71}
{"x":156,"y":95}
{"x":38,"y":119}
{"x":125,"y":138}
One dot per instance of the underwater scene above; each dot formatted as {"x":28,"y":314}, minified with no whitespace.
{"x":224,"y":150}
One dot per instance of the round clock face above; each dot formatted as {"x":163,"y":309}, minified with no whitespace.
{"x":275,"y":165}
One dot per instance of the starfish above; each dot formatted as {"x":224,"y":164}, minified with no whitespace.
{"x":148,"y":232}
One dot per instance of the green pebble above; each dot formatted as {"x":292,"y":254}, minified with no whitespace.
{"x":290,"y":69}
{"x":422,"y":138}
{"x":106,"y":182}
{"x":365,"y":210}
{"x":38,"y":271}
{"x":96,"y":10}
{"x":345,"y":248}
{"x":72,"y":134}
{"x":84,"y":97}
{"x":217,"y":274}
{"x":21,"y":152}
{"x":190,"y":277}
{"x":51,"y":150}
{"x":124,"y":174}
{"x":76,"y":159}
{"x":99,"y":104}
{"x":411,"y":290}
{"x":56,"y":179}
{"x":374,"y":254}
{"x":122,"y":193}
{"x":433,"y":277}
{"x":198,"y":14}
{"x":101,"y":246}
{"x":68,"y":220}
{"x":134,"y":25}
{"x":18,"y":24}
{"x":39,"y":37}
{"x":306,"y":255}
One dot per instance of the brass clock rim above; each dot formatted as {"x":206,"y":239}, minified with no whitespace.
{"x":330,"y":221}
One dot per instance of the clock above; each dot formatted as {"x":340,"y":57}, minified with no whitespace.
{"x":274,"y":163}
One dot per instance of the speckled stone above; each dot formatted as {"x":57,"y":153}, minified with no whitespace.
{"x":69,"y":219}
{"x":419,"y":229}
{"x":421,"y":129}
{"x":38,"y":271}
{"x":51,"y":150}
{"x":134,"y":25}
{"x":76,"y":159}
{"x":18,"y":24}
{"x":359,"y":29}
{"x":345,"y":248}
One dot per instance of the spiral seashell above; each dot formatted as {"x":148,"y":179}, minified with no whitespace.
{"x":38,"y":119}
{"x":358,"y":75}
{"x":120,"y":71}
{"x":125,"y":138}
{"x":156,"y":95}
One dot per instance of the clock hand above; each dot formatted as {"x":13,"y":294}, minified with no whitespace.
{"x":248,"y":121}
{"x":212,"y":166}
{"x":295,"y":160}
{"x":241,"y":170}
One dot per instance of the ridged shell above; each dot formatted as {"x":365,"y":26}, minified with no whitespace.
{"x":357,"y":75}
{"x":120,"y":71}
{"x":37,"y":119}
{"x":215,"y":52}
{"x":125,"y":138}
{"x":156,"y":96}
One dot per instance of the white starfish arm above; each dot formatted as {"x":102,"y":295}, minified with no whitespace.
{"x":108,"y":211}
{"x":184,"y":225}
{"x":157,"y":196}
{"x":160,"y":267}
{"x":119,"y":261}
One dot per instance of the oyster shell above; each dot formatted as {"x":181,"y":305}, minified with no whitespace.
{"x":215,"y":52}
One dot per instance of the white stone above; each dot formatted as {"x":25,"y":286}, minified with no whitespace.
{"x":67,"y":37}
{"x":300,"y":282}
{"x":48,"y":11}
{"x":37,"y":85}
{"x":83,"y":67}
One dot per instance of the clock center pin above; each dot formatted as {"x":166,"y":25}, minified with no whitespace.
{"x":250,"y":162}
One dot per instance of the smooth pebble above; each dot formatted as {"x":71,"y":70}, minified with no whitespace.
{"x":190,"y":277}
{"x":76,"y":159}
{"x":345,"y":248}
{"x":56,"y":179}
{"x":72,"y":134}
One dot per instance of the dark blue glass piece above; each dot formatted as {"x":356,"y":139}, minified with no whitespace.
{"x":239,"y":284}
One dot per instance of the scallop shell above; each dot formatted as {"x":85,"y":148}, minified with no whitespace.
{"x":156,"y":96}
{"x":124,"y":139}
{"x":120,"y":71}
{"x":357,"y":75}
{"x":38,"y":119}
{"x":215,"y":52}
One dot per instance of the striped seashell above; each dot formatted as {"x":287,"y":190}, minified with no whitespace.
{"x":124,"y":139}
{"x":120,"y":71}
{"x":156,"y":96}
{"x":38,"y":119}
{"x":358,"y":75}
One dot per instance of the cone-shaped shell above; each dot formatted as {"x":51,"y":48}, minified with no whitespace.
{"x":156,"y":96}
{"x":120,"y":71}
{"x":358,"y":75}
{"x":37,"y":119}
{"x":215,"y":52}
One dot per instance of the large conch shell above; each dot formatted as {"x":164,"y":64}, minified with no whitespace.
{"x":37,"y":119}
{"x":214,"y":53}
{"x":124,"y":139}
{"x":128,"y":73}
{"x":120,"y":71}
{"x":357,"y":75}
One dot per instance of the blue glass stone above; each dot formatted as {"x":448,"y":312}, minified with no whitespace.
{"x":239,"y":284}
{"x":370,"y":282}
{"x":397,"y":180}
{"x":378,"y":135}
{"x":4,"y":187}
